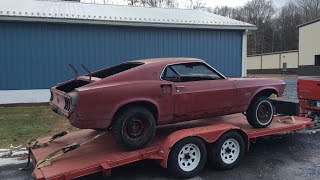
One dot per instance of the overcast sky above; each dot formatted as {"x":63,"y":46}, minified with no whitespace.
{"x":210,"y":3}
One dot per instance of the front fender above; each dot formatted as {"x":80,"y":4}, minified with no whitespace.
{"x":263,"y":89}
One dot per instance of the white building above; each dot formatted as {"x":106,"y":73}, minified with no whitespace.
{"x":305,"y":62}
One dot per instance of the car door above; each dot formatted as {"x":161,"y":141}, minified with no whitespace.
{"x":197,"y":95}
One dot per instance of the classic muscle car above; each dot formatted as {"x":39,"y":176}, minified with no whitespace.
{"x":132,"y":98}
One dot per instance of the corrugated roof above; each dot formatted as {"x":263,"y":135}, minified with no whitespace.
{"x":73,"y":12}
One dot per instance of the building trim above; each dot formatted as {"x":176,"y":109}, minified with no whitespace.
{"x":92,"y":13}
{"x":273,"y":53}
{"x":308,"y":23}
{"x":122,"y":23}
{"x":273,"y":71}
{"x":244,"y":54}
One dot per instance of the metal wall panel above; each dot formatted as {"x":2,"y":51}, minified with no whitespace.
{"x":309,"y":45}
{"x":273,"y":61}
{"x":36,"y":55}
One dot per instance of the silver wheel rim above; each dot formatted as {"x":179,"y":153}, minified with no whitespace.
{"x":230,"y":151}
{"x":271,"y":117}
{"x":189,"y":157}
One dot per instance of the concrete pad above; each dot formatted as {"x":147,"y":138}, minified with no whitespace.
{"x":24,"y":96}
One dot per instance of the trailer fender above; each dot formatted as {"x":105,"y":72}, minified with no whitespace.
{"x":208,"y":134}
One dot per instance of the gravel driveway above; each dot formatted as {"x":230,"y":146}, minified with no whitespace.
{"x":291,"y":88}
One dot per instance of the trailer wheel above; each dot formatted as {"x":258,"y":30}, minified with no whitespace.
{"x":260,"y":113}
{"x":227,"y":152}
{"x":134,"y":127}
{"x":187,"y":158}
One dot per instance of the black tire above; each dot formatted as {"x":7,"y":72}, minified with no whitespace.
{"x":197,"y":148}
{"x":134,"y":127}
{"x":260,"y":113}
{"x":224,"y":157}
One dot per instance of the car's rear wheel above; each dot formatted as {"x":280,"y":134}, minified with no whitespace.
{"x":260,"y":113}
{"x":134,"y":127}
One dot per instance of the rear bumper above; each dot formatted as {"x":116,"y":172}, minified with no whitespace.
{"x":306,"y":107}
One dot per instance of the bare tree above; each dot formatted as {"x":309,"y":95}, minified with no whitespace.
{"x":223,"y":11}
{"x":154,"y":3}
{"x":195,"y":4}
{"x":260,"y":13}
{"x":133,"y":2}
{"x":286,"y":36}
{"x":310,"y":9}
{"x":159,"y":3}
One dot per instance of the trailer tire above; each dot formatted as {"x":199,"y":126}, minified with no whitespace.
{"x":227,"y":152}
{"x":134,"y":127}
{"x":260,"y":113}
{"x":187,"y":158}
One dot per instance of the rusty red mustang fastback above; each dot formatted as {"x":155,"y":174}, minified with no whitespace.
{"x":132,"y":98}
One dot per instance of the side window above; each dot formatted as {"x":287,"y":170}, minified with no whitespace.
{"x":196,"y":71}
{"x":186,"y":72}
{"x":170,"y":75}
{"x":193,"y":69}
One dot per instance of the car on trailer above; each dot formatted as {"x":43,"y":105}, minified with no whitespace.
{"x":182,"y":148}
{"x":133,"y":98}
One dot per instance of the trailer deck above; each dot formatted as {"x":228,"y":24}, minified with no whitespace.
{"x":103,"y":154}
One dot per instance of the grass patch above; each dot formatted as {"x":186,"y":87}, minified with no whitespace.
{"x":19,"y":124}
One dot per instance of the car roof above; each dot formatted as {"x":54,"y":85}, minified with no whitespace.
{"x":167,"y":60}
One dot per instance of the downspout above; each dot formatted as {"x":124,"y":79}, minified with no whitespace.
{"x":244,"y":54}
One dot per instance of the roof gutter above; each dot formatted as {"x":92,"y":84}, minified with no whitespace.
{"x":125,"y":23}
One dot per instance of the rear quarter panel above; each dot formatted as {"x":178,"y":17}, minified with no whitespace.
{"x":101,"y":102}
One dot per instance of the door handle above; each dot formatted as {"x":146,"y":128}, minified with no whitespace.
{"x":179,"y":87}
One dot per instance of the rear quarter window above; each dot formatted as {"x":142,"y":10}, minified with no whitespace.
{"x":116,"y":69}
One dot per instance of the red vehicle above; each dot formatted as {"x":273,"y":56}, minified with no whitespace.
{"x":309,"y":95}
{"x":133,"y":98}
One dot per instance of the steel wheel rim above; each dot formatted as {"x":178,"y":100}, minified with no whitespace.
{"x":135,"y":128}
{"x":264,"y":112}
{"x":230,"y":151}
{"x":189,"y":157}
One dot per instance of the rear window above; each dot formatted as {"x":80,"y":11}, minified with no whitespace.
{"x":116,"y":69}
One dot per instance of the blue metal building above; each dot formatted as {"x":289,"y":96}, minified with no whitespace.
{"x":38,"y":39}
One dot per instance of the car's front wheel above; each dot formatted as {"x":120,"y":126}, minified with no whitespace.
{"x":260,"y":113}
{"x":134,"y":127}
